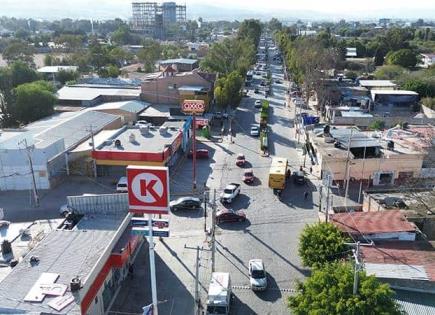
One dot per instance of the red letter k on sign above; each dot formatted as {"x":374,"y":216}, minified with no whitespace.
{"x":144,"y":188}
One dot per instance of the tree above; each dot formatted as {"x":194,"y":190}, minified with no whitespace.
{"x":33,"y":101}
{"x":64,"y":76}
{"x":330,"y":291}
{"x":250,"y":29}
{"x":22,"y":73}
{"x":424,"y":87}
{"x":122,"y":35}
{"x":18,"y":51}
{"x":404,"y":57}
{"x":111,"y":71}
{"x":274,"y":25}
{"x":321,"y":243}
{"x":377,"y":125}
{"x":389,"y":72}
{"x":149,"y":54}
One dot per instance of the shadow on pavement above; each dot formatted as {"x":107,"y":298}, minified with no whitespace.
{"x":135,"y":292}
{"x":188,"y":213}
{"x":235,"y":226}
{"x":304,"y":272}
{"x":272,"y":293}
{"x":240,"y":308}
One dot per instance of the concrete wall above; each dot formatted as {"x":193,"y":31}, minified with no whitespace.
{"x":389,"y":121}
{"x":430,"y":113}
{"x":164,"y":90}
{"x":370,"y":168}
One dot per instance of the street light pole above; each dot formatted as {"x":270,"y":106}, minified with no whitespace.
{"x":213,"y":239}
{"x":356,"y":269}
{"x":194,"y":150}
{"x":152,"y":264}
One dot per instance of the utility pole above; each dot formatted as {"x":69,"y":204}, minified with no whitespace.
{"x":213,"y":228}
{"x":327,"y":197}
{"x":194,"y":151}
{"x":94,"y":163}
{"x":197,"y":298}
{"x":29,"y":157}
{"x":347,"y":165}
{"x":356,"y":269}
{"x":320,"y":198}
{"x":205,"y":209}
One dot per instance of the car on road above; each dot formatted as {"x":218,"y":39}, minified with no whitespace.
{"x":240,"y":159}
{"x":218,"y":115}
{"x":245,"y":92}
{"x":142,"y":123}
{"x":248,"y":176}
{"x":278,"y":81}
{"x":122,"y":185}
{"x":263,"y":83}
{"x":225,"y":115}
{"x":256,"y":90}
{"x":230,"y":192}
{"x":257,"y":275}
{"x":257,"y":104}
{"x":255,"y":131}
{"x":200,"y":154}
{"x":185,"y":203}
{"x":225,"y":215}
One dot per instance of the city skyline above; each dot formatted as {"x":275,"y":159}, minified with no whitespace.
{"x":289,"y":10}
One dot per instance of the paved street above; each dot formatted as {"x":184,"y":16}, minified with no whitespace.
{"x":271,"y":232}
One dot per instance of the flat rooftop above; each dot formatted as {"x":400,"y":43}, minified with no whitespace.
{"x":178,"y":60}
{"x":56,"y":69}
{"x":152,"y":141}
{"x":377,"y":83}
{"x":87,"y":93}
{"x":67,"y":253}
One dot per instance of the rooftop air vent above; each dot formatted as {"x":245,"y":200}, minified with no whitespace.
{"x":75,"y":284}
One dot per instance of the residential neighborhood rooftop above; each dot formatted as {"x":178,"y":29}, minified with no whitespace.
{"x":377,"y":83}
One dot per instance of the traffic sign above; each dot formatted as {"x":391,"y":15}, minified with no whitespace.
{"x":148,"y":189}
{"x":157,"y":223}
{"x":144,"y":231}
{"x":193,"y":106}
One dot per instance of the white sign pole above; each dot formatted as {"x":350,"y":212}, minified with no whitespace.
{"x":152,"y":264}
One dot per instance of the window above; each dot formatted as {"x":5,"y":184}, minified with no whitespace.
{"x":385,"y":178}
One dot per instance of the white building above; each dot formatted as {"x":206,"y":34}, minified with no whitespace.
{"x":48,"y":141}
{"x":427,"y":60}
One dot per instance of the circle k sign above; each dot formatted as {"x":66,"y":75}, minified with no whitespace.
{"x":148,"y":189}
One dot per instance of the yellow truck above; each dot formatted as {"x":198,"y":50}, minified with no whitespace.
{"x":279,"y":171}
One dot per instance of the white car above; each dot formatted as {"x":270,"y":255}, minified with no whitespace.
{"x":122,"y":186}
{"x":257,"y":275}
{"x":255,"y":131}
{"x":142,"y":123}
{"x":257,"y":103}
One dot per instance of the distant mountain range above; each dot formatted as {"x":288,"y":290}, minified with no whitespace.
{"x":57,"y":9}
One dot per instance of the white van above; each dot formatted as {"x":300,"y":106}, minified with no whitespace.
{"x":121,"y":186}
{"x":219,"y":294}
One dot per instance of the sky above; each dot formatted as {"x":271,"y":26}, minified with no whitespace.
{"x":291,"y":9}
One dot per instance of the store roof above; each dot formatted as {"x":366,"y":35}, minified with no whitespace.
{"x":67,"y":253}
{"x":86,"y":93}
{"x":373,"y":222}
{"x":178,"y":60}
{"x":56,"y":69}
{"x":128,"y":106}
{"x":392,"y":92}
{"x":377,"y":83}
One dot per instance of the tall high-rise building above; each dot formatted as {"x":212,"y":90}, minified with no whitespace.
{"x":152,"y":18}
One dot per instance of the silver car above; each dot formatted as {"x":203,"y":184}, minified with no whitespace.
{"x":257,"y":275}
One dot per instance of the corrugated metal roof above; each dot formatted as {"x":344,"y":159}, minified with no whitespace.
{"x":416,"y":303}
{"x":67,"y":253}
{"x":396,"y":271}
{"x":128,"y":106}
{"x":178,"y":60}
{"x":374,"y":83}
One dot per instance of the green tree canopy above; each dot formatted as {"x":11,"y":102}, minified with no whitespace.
{"x":330,"y":291}
{"x":389,"y":72}
{"x":227,"y":90}
{"x":425,"y":87}
{"x":18,"y":50}
{"x":64,"y":76}
{"x":377,"y":125}
{"x":274,"y":25}
{"x":33,"y":101}
{"x":122,"y":35}
{"x":150,"y":54}
{"x":404,"y":57}
{"x":321,"y":243}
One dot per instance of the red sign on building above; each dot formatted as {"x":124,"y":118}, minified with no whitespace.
{"x":193,"y":106}
{"x":148,"y":189}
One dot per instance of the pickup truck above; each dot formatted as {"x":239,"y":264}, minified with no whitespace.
{"x":230,"y":192}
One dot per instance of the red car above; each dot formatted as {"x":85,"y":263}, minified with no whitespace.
{"x":200,"y":154}
{"x":240,"y":160}
{"x":229,"y":215}
{"x":248,"y":176}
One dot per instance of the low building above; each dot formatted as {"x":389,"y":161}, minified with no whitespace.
{"x":351,"y":52}
{"x":56,"y":69}
{"x":88,"y":95}
{"x":180,"y":64}
{"x":383,"y":225}
{"x":140,"y":145}
{"x":348,"y":152}
{"x":378,"y":84}
{"x":392,"y":100}
{"x":48,"y":142}
{"x":158,"y":114}
{"x":129,"y":111}
{"x":172,"y":88}
{"x":427,"y":60}
{"x":84,"y":261}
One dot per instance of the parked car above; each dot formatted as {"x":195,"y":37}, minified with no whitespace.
{"x":257,"y":104}
{"x":185,"y":203}
{"x":229,"y":215}
{"x":248,"y":176}
{"x":278,"y":81}
{"x":225,"y":115}
{"x":257,"y":275}
{"x":256,"y":90}
{"x":240,"y":159}
{"x":200,"y":154}
{"x":263,"y":83}
{"x":230,"y":192}
{"x":255,"y":131}
{"x":218,"y":115}
{"x":122,"y":185}
{"x":142,"y":123}
{"x":245,"y":92}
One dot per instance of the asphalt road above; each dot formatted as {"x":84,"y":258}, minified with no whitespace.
{"x":270,"y":233}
